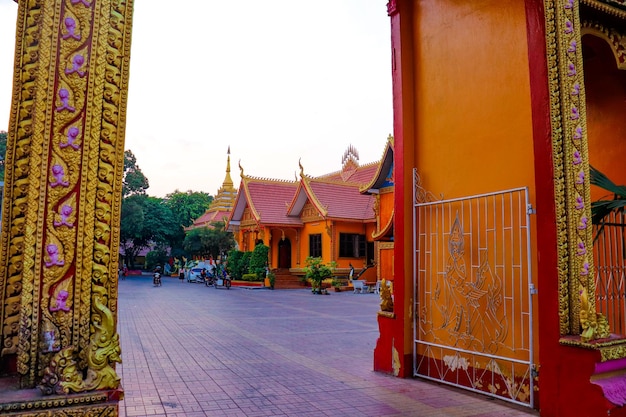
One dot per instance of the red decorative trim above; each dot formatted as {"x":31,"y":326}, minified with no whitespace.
{"x":392,"y":7}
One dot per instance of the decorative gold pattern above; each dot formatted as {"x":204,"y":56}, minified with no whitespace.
{"x":616,"y":40}
{"x":65,"y":165}
{"x":17,"y":175}
{"x":603,"y":6}
{"x":571,"y":167}
{"x":78,"y":405}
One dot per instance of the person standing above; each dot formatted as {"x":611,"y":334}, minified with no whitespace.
{"x":181,"y":274}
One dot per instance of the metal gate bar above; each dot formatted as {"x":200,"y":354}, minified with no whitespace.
{"x":473,"y":306}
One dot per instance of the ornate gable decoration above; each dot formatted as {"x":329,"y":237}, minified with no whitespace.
{"x":350,"y":163}
{"x":310,"y":213}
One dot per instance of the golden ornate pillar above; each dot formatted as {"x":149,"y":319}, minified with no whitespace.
{"x":571,"y":170}
{"x":61,"y":210}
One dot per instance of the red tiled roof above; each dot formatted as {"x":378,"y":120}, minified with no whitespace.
{"x":267,"y":199}
{"x":362,"y":175}
{"x":343,"y":201}
{"x":333,"y":200}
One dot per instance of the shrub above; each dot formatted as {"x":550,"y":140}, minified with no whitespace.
{"x":237,"y":264}
{"x":250,"y":277}
{"x":258,"y":261}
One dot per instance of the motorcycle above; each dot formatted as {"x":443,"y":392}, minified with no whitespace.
{"x":156,"y":279}
{"x":210,"y":279}
{"x":223,"y":281}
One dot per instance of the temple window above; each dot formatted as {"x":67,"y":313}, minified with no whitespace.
{"x":352,"y":245}
{"x":315,"y":246}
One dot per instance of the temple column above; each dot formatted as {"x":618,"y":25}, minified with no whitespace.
{"x":61,"y":210}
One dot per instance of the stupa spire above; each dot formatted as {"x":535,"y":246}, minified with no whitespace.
{"x":228,"y":182}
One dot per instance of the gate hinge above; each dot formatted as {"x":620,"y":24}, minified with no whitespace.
{"x":532,"y":288}
{"x":530,"y":209}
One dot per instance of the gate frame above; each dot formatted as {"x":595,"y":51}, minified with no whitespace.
{"x":421,"y":195}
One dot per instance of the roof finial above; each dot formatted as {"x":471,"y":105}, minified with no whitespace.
{"x":301,"y":168}
{"x":240,"y":170}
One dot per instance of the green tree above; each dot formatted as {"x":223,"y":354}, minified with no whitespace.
{"x":186,"y":207}
{"x":134,"y":181}
{"x":205,"y":241}
{"x":3,"y":151}
{"x":146,"y":222}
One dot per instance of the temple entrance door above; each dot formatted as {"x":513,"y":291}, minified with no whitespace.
{"x":473,"y":287}
{"x":284,"y":253}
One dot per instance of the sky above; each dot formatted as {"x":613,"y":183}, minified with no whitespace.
{"x":278,"y":82}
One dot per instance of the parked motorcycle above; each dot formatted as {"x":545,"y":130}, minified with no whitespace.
{"x":156,"y":279}
{"x":222,"y":280}
{"x":210,"y":279}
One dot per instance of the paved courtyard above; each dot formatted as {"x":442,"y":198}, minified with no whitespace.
{"x":189,"y":350}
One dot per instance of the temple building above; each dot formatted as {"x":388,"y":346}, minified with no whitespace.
{"x":325,"y":216}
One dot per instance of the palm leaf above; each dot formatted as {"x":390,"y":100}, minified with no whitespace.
{"x":602,"y":208}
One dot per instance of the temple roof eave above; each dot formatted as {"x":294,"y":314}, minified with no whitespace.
{"x":385,"y":165}
{"x":386,"y":231}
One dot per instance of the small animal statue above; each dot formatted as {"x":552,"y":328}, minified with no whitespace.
{"x":386,"y":302}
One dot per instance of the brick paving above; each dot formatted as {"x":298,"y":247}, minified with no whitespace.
{"x":189,"y":350}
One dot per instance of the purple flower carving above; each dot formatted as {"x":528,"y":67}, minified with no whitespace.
{"x":581,"y":178}
{"x":72,"y":134}
{"x":583,"y":223}
{"x":53,"y":255}
{"x":571,"y":70}
{"x":572,"y":46}
{"x":577,"y":159}
{"x":64,"y":95}
{"x":569,"y":27}
{"x":575,"y":114}
{"x":579,"y":203}
{"x":581,"y":249}
{"x":570,"y":4}
{"x":66,"y":211}
{"x":70,"y":26}
{"x":58,"y":173}
{"x":77,"y":62}
{"x":585,"y":270}
{"x":578,"y":134}
{"x":576,"y":89}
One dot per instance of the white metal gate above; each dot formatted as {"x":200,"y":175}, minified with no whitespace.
{"x":473,"y":306}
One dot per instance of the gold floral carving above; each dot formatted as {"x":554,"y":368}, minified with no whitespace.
{"x":571,"y":169}
{"x":18,"y":176}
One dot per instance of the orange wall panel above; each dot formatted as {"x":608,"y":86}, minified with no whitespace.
{"x":473,"y":113}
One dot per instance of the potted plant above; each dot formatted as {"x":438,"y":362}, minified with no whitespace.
{"x":336,"y":284}
{"x":316,"y":272}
